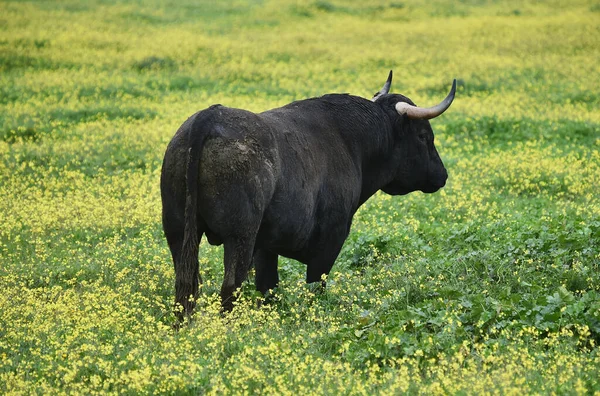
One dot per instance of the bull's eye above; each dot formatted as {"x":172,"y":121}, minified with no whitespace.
{"x":423,"y":137}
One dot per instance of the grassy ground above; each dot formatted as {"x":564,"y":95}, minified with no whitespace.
{"x":491,"y":285}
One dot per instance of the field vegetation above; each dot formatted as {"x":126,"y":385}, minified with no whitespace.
{"x":491,"y":285}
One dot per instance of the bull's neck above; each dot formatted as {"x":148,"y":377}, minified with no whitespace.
{"x":378,"y":162}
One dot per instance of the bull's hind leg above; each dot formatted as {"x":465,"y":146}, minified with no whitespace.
{"x":174,"y":233}
{"x":265,"y":265}
{"x":238,"y":259}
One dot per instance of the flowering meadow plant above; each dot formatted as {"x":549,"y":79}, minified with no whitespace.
{"x":491,"y":285}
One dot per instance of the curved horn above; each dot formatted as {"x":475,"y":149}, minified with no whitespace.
{"x":426,"y":113}
{"x":385,"y":89}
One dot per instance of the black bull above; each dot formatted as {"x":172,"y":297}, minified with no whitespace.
{"x":288,"y":181}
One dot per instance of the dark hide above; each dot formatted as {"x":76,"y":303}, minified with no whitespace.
{"x":285,"y":182}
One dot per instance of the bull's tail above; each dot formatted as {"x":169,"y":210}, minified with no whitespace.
{"x":187,"y":276}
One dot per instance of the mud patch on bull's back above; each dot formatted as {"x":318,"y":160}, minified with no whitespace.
{"x":229,"y":164}
{"x":222,"y":156}
{"x":244,"y":148}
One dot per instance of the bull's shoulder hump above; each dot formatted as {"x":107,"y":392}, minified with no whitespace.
{"x":327,"y":102}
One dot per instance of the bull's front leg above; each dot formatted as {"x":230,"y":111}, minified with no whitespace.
{"x":265,"y":266}
{"x":323,"y":261}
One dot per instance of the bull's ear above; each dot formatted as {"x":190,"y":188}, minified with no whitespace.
{"x":385,"y":89}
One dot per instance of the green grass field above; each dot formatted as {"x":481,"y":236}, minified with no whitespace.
{"x":491,"y":285}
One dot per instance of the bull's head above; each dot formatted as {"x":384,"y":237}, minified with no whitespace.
{"x":419,"y":166}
